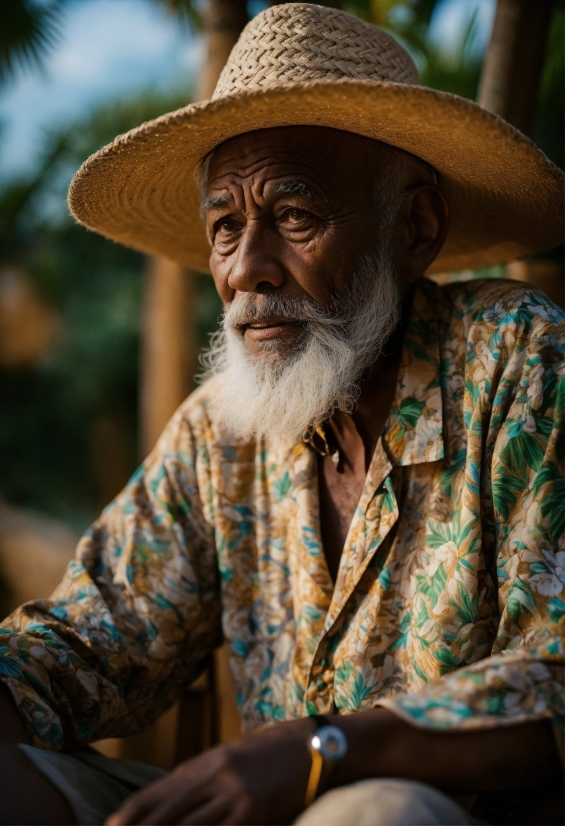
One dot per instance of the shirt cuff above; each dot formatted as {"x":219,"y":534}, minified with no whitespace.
{"x":43,"y":725}
{"x":506,"y":689}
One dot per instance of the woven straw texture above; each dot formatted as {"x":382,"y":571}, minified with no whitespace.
{"x":304,"y":64}
{"x":299,"y":42}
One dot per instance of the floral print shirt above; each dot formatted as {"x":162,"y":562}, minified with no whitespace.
{"x":449,"y":603}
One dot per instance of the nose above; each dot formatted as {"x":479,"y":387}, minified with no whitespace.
{"x":256,"y":265}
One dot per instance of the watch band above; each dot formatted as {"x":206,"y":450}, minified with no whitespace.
{"x":327,"y":745}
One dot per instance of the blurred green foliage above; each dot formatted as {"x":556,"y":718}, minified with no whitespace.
{"x":28,"y":30}
{"x":49,"y":410}
{"x":550,"y":116}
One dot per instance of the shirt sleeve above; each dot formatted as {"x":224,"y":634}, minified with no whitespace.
{"x":136,"y":614}
{"x":515,"y":409}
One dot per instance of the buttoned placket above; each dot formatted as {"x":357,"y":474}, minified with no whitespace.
{"x":418,"y":379}
{"x":365,"y":536}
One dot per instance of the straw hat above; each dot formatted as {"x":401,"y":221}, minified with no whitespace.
{"x":300,"y":63}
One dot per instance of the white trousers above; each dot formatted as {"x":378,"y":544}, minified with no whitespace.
{"x":384,"y":802}
{"x":95,"y":786}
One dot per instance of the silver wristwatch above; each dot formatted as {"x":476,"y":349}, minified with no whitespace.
{"x":328,"y":745}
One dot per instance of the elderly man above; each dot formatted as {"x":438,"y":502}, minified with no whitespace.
{"x":363,"y":497}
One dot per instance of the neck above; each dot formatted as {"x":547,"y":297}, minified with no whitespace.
{"x":360,"y":431}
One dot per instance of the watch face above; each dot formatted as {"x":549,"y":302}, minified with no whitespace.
{"x":330,"y":742}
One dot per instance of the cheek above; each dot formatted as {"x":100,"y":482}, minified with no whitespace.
{"x":322,"y":271}
{"x":305,"y":265}
{"x":317,"y":285}
{"x":220,"y":270}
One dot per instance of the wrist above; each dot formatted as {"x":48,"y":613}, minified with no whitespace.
{"x":12,"y":727}
{"x":328,"y":746}
{"x":371,"y":736}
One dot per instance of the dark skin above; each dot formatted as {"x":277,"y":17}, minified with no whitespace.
{"x":356,"y":436}
{"x":307,"y":246}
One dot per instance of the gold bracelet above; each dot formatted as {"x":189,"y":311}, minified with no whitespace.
{"x":314,"y":779}
{"x":327,"y":746}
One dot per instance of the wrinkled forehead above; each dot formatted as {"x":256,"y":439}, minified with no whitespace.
{"x":317,"y":150}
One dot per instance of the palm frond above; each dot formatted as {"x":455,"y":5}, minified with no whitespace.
{"x":27,"y":32}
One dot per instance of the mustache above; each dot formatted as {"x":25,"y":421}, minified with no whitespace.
{"x":250,"y":308}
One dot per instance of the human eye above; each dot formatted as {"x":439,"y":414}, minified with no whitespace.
{"x":295,"y":215}
{"x":296,"y":220}
{"x":297,"y":223}
{"x":225,"y":228}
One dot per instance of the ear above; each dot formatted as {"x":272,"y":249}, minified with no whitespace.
{"x":423,"y":224}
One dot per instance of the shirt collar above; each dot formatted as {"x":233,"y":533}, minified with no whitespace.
{"x":316,"y":437}
{"x":413,"y":432}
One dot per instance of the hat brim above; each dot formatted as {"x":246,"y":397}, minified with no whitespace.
{"x":505,"y":196}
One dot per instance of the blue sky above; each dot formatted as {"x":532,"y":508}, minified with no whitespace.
{"x":112,"y":48}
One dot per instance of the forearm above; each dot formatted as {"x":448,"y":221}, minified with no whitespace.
{"x":383,"y":745}
{"x":12,"y":727}
{"x":45,"y":803}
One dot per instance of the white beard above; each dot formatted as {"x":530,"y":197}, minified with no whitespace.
{"x":282,"y":395}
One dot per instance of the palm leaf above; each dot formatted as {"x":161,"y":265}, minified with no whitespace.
{"x":553,"y":508}
{"x":466,"y":606}
{"x":27,"y":32}
{"x":522,"y":453}
{"x":410,"y":411}
{"x":520,"y":599}
{"x":504,"y":489}
{"x":446,"y":479}
{"x":448,"y":662}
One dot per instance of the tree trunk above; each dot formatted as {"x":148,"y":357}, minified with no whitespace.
{"x":223,"y":21}
{"x":514,"y":60}
{"x":509,"y":87}
{"x":168,"y":360}
{"x":208,"y":711}
{"x":169,"y":347}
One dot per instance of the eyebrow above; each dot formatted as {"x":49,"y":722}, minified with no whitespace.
{"x":215,"y":202}
{"x":285,"y":188}
{"x":294,"y":188}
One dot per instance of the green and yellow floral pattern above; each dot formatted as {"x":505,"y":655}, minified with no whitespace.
{"x":450,"y":600}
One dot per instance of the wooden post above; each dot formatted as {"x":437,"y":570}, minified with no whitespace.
{"x":223,"y":21}
{"x":514,"y":60}
{"x":168,"y":360}
{"x":509,"y":87}
{"x":168,"y":351}
{"x":168,"y":345}
{"x":208,"y":711}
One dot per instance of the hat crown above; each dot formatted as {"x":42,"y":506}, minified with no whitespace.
{"x":302,"y":41}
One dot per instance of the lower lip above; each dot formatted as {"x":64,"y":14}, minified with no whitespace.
{"x":266,"y":333}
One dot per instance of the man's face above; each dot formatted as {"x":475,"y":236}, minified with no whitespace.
{"x":290,"y":212}
{"x":312,"y":272}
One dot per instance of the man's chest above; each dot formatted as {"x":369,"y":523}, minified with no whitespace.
{"x":407,"y":603}
{"x":339,"y":494}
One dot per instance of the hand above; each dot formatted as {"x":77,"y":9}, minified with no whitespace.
{"x":258,"y":778}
